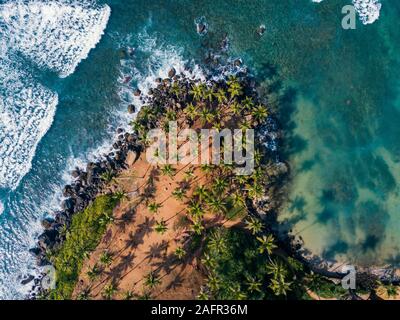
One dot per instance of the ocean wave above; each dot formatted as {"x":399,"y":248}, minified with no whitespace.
{"x":54,"y":36}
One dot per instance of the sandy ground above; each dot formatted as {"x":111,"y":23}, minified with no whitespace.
{"x":138,"y":249}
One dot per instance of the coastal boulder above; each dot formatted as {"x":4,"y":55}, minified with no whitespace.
{"x":172,"y":72}
{"x":131,"y":109}
{"x":137,"y":93}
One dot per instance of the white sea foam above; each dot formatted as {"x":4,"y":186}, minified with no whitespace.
{"x":368,"y":10}
{"x":54,"y":36}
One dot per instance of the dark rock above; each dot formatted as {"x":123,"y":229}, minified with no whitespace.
{"x":201,"y":28}
{"x":158,"y":80}
{"x":68,"y":205}
{"x":131,"y":109}
{"x":237,"y":62}
{"x":35,"y":251}
{"x":172,"y":72}
{"x":68,"y":191}
{"x":120,"y":130}
{"x":47,"y":223}
{"x":48,"y":239}
{"x":137,"y":93}
{"x":27,"y":280}
{"x":75,"y":173}
{"x":261,"y":29}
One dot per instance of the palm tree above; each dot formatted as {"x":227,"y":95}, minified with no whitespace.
{"x":208,"y":261}
{"x":266,"y":244}
{"x":217,"y":205}
{"x":197,"y":91}
{"x":254,"y":225}
{"x":236,"y":108}
{"x":189,"y":174}
{"x":154,"y":207}
{"x":235,"y":89}
{"x":106,"y":219}
{"x":179,"y":193}
{"x":151,"y":280}
{"x":170,"y":115}
{"x":276,"y":269}
{"x":93,"y":273}
{"x":197,"y":227}
{"x":206,"y":116}
{"x":106,"y":258}
{"x":244,"y":125}
{"x":168,"y":170}
{"x":195,"y":209}
{"x":220,"y":185}
{"x":128,"y":295}
{"x":279,"y":286}
{"x":213,"y":283}
{"x":119,"y":195}
{"x":191,"y":111}
{"x":180,"y":253}
{"x":107,"y":176}
{"x":254,"y":285}
{"x":237,"y":292}
{"x":259,"y":113}
{"x":238,"y":199}
{"x":391,"y":290}
{"x":248,"y":103}
{"x":255,"y":190}
{"x":203,"y":295}
{"x":201,"y":192}
{"x":221,"y":96}
{"x":206,"y":168}
{"x":175,"y":89}
{"x":84,"y":294}
{"x":161,"y":227}
{"x":217,"y":243}
{"x":109,"y":291}
{"x":209,"y":94}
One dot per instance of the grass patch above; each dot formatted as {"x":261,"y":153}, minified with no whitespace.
{"x":85,"y":233}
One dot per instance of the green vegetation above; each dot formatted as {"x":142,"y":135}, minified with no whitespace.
{"x":83,"y":236}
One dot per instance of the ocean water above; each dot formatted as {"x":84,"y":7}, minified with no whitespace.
{"x":66,"y":78}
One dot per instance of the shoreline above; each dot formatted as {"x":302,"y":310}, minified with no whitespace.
{"x":89,"y":184}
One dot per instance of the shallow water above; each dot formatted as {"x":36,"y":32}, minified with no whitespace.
{"x":341,"y":127}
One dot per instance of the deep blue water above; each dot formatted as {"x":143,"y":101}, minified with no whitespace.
{"x":341,"y":127}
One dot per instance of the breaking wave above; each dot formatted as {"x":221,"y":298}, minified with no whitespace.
{"x":54,"y":36}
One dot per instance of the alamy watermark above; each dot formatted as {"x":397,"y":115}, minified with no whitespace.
{"x":205,"y":146}
{"x":349,"y":20}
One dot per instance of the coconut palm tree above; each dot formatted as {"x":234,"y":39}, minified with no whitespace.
{"x":236,"y":108}
{"x":276,"y":269}
{"x":255,"y":190}
{"x":213,"y":283}
{"x":84,"y":294}
{"x":197,"y":91}
{"x":236,"y":292}
{"x":234,"y":87}
{"x":197,"y":227}
{"x":189,"y":174}
{"x":279,"y":286}
{"x":217,"y":205}
{"x":105,"y":219}
{"x":195,"y":209}
{"x":119,"y":195}
{"x":93,"y":272}
{"x":180,"y":253}
{"x":109,"y":291}
{"x":266,"y":244}
{"x":106,"y":258}
{"x":209,"y":94}
{"x":248,"y":103}
{"x":254,"y":225}
{"x":259,"y":113}
{"x":170,"y":115}
{"x":244,"y":125}
{"x":191,"y":111}
{"x":154,"y":207}
{"x":201,"y":192}
{"x":128,"y":295}
{"x":217,"y":243}
{"x":176,"y":89}
{"x":254,"y":285}
{"x":107,"y":176}
{"x":161,"y":227}
{"x":391,"y":290}
{"x":208,"y":261}
{"x":168,"y":170}
{"x":207,"y":168}
{"x":179,"y":193}
{"x":151,"y":280}
{"x":203,"y":294}
{"x":221,"y":96}
{"x":219,"y":185}
{"x":206,"y":116}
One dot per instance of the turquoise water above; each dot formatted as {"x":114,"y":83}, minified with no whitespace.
{"x":341,"y":120}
